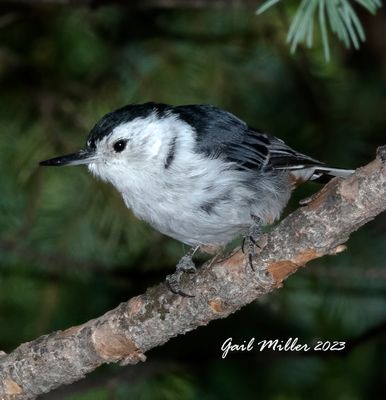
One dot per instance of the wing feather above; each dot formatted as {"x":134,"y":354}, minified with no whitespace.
{"x":221,"y":134}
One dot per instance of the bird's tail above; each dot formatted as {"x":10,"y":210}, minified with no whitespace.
{"x":301,"y":167}
{"x":319,"y":173}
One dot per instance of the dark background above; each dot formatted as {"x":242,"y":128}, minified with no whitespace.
{"x":70,"y":250}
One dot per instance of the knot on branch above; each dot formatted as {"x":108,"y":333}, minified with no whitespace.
{"x":113,"y":346}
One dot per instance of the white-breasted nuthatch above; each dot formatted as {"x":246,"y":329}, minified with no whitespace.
{"x":195,"y":172}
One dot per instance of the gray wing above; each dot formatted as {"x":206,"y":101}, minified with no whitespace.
{"x":221,"y":134}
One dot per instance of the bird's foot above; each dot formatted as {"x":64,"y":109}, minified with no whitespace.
{"x":185,"y":265}
{"x":251,"y":241}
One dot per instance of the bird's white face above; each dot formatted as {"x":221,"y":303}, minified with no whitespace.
{"x":132,"y":147}
{"x":117,"y":150}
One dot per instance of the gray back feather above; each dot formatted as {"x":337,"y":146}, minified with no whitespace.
{"x":221,"y":134}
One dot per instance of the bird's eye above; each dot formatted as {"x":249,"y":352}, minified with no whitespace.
{"x":120,"y":145}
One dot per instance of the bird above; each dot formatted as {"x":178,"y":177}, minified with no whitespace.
{"x":196,"y":173}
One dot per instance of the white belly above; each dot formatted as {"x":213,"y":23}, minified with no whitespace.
{"x":197,"y":211}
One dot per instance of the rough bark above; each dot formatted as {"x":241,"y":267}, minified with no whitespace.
{"x":126,"y":333}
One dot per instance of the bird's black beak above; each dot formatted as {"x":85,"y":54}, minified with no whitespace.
{"x":81,"y":157}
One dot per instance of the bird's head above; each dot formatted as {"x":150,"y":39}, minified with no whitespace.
{"x":125,"y":139}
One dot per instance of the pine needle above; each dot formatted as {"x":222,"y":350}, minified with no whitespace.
{"x":338,"y":16}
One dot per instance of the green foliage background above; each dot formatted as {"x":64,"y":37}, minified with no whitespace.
{"x":70,"y":250}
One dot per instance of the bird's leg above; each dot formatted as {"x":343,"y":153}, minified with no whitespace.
{"x":250,"y":240}
{"x":185,"y":264}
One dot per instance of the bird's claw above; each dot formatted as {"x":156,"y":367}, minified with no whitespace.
{"x":185,"y":265}
{"x":251,"y":245}
{"x":251,"y":242}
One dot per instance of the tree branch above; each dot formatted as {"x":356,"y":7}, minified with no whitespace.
{"x":149,"y":320}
